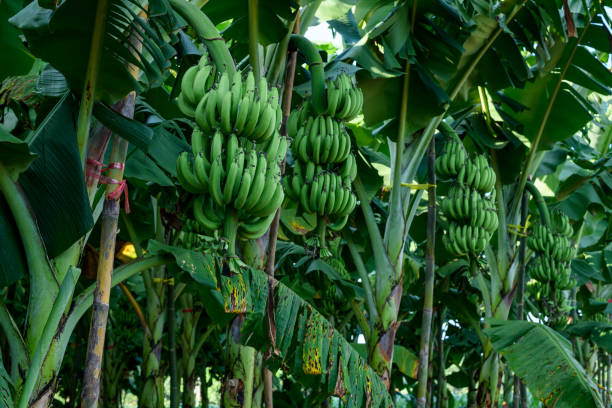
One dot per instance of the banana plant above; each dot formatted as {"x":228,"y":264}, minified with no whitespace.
{"x":423,"y":103}
{"x":53,"y":274}
{"x":542,"y":126}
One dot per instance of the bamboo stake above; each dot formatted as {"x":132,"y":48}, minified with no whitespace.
{"x":429,"y":277}
{"x":110,"y":219}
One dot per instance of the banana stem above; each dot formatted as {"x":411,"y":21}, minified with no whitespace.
{"x":174,"y":379}
{"x":43,"y":283}
{"x":230,"y":230}
{"x":381,"y":261}
{"x":91,"y":78}
{"x":394,"y":230}
{"x":274,"y":75}
{"x":365,"y":279}
{"x":540,"y":203}
{"x":52,"y":323}
{"x":208,"y":33}
{"x":520,"y":293}
{"x":321,"y":232}
{"x":315,"y":66}
{"x":17,"y":348}
{"x":254,"y":37}
{"x":429,"y":279}
{"x":308,"y":14}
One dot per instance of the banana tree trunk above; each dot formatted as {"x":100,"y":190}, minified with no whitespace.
{"x":187,"y":341}
{"x":113,"y":366}
{"x":152,"y":394}
{"x":238,"y":385}
{"x":203,"y":389}
{"x":152,"y":391}
{"x":174,"y":379}
{"x":429,"y":278}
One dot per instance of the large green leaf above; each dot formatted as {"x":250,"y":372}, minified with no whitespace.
{"x":15,"y":154}
{"x":134,"y":132}
{"x":54,"y":184}
{"x":6,"y":400}
{"x":271,"y":15}
{"x":303,"y":340}
{"x":544,"y":360}
{"x":139,"y":166}
{"x":536,"y":97}
{"x":13,"y":49}
{"x":13,"y":265}
{"x":383,"y":100}
{"x":62,"y":37}
{"x":407,"y":362}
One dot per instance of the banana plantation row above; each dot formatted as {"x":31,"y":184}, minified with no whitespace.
{"x":202,"y":204}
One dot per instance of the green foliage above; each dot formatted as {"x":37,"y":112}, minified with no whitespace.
{"x":344,"y":372}
{"x":557,"y":378}
{"x":62,"y":36}
{"x":54,"y":184}
{"x":6,"y":394}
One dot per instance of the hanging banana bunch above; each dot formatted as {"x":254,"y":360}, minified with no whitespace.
{"x":324,"y":167}
{"x":470,"y":203}
{"x":234,"y":165}
{"x":553,"y":253}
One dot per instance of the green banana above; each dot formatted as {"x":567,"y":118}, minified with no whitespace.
{"x":184,"y":106}
{"x":198,"y":214}
{"x":216,"y":171}
{"x":186,"y":176}
{"x":187,"y":85}
{"x":259,"y":181}
{"x":200,"y":82}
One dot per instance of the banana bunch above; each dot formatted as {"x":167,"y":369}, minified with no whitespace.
{"x":560,"y":224}
{"x":449,"y":163}
{"x":321,"y":140}
{"x":465,"y":239}
{"x":470,"y":203}
{"x":326,"y":193}
{"x":543,"y":240}
{"x":477,"y":174}
{"x":547,"y":270}
{"x":344,"y":100}
{"x":234,"y":106}
{"x":553,"y":252}
{"x":241,"y":175}
{"x":470,"y":207}
{"x":196,"y":82}
{"x":324,"y":167}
